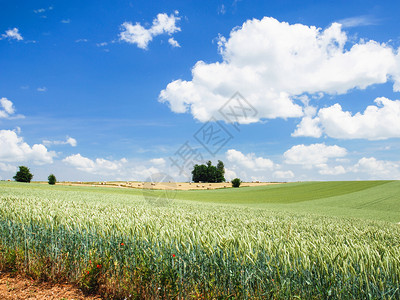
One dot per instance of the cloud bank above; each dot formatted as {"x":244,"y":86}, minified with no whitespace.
{"x":271,"y":63}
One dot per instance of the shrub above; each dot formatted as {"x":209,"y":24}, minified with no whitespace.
{"x":23,"y":175}
{"x":236,"y":182}
{"x":52,"y":179}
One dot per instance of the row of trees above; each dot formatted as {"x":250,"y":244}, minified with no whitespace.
{"x":208,"y":172}
{"x":25,"y":175}
{"x":203,"y":173}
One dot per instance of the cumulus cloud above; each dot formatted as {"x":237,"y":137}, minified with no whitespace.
{"x":312,"y":155}
{"x":249,"y":161}
{"x":158,"y":161}
{"x":335,"y":170}
{"x":113,"y":169}
{"x":377,"y":122}
{"x":6,"y":108}
{"x":98,"y":166}
{"x":173,"y":43}
{"x":248,"y":167}
{"x":14,"y":149}
{"x":378,"y":169}
{"x":139,"y":35}
{"x":12,"y":34}
{"x":283,"y":174}
{"x":230,"y":174}
{"x":270,"y":63}
{"x":69,"y":141}
{"x":308,"y":125}
{"x":42,"y":89}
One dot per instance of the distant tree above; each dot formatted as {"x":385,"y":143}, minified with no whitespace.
{"x":52,"y":179}
{"x":208,"y":173}
{"x":211,"y":172}
{"x":236,"y":182}
{"x":23,"y":175}
{"x":199,"y":173}
{"x":221,"y":171}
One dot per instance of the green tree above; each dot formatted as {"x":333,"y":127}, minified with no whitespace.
{"x":199,"y":173}
{"x":208,"y":172}
{"x":52,"y":179}
{"x":221,"y":171}
{"x":236,"y":182}
{"x":23,"y":175}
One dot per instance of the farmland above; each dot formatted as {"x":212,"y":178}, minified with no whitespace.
{"x":307,"y":240}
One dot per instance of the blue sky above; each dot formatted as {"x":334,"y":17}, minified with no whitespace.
{"x":112,"y":90}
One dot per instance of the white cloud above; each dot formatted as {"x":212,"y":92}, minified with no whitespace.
{"x":358,"y":21}
{"x":377,"y":122}
{"x":248,"y":167}
{"x":69,"y":141}
{"x":81,"y":41}
{"x":378,"y":168}
{"x":312,"y":155}
{"x":271,"y":62}
{"x":222,"y":9}
{"x":308,"y":125}
{"x":39,"y":10}
{"x":12,"y":34}
{"x":99,"y":166}
{"x":7,"y":167}
{"x":230,"y":174}
{"x":335,"y":170}
{"x":113,"y":169}
{"x":102,"y":44}
{"x":249,"y":161}
{"x":66,"y":21}
{"x":42,"y":89}
{"x":14,"y":149}
{"x":283,"y":174}
{"x":158,"y":161}
{"x":6,"y":108}
{"x":173,"y":42}
{"x":42,"y":10}
{"x":137,"y":34}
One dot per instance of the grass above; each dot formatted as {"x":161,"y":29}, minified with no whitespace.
{"x":282,"y":193}
{"x":308,"y":240}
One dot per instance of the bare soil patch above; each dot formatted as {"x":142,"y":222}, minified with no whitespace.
{"x":16,"y":287}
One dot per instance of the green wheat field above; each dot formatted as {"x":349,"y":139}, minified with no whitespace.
{"x":313,"y":240}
